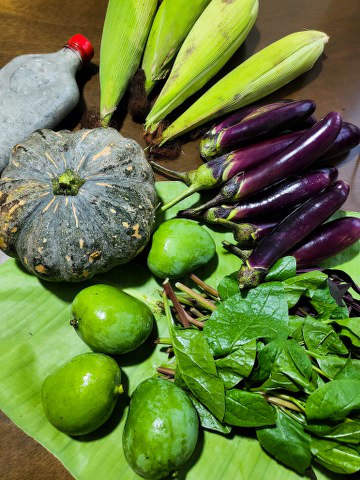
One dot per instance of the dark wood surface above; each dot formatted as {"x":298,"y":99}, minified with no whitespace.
{"x":31,"y":26}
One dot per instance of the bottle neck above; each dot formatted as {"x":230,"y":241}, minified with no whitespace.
{"x":71,"y":58}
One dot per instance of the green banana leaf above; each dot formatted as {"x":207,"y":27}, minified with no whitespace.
{"x":36,"y":337}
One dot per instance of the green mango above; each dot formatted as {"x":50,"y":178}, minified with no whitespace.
{"x":161,"y":429}
{"x":178,"y":247}
{"x":80,"y":396}
{"x":109,"y":320}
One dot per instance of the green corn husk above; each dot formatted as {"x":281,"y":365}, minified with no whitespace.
{"x":126,"y":28}
{"x":216,"y":35}
{"x":167,"y":33}
{"x":260,"y":75}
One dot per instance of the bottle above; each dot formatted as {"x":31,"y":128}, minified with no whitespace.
{"x":38,"y":91}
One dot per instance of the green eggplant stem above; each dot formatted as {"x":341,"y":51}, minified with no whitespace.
{"x":186,"y":193}
{"x":242,"y":254}
{"x":184,"y":177}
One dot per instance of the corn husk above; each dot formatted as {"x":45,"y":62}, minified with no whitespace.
{"x":167,"y":33}
{"x":214,"y":38}
{"x":260,"y":75}
{"x":126,"y":28}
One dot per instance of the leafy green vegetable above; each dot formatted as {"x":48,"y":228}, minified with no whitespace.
{"x":334,"y":456}
{"x":287,"y":442}
{"x":346,"y":432}
{"x":207,"y":419}
{"x":240,"y":361}
{"x":247,"y":409}
{"x":351,"y":369}
{"x":236,"y":321}
{"x":304,"y":284}
{"x":326,"y":305}
{"x":283,"y":364}
{"x":228,"y":286}
{"x":197,"y":368}
{"x":281,"y":270}
{"x":350,"y":329}
{"x":334,"y":400}
{"x":322,"y":338}
{"x":331,"y":365}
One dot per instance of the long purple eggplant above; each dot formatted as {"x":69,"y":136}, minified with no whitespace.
{"x":291,"y":231}
{"x":219,"y":170}
{"x":265,"y":119}
{"x":273,"y":200}
{"x":348,"y":138}
{"x":326,"y":241}
{"x":294,"y":159}
{"x":239,"y":115}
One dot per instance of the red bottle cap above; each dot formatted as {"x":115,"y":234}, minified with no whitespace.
{"x":82,"y":45}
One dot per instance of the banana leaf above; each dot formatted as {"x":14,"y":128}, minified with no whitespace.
{"x":36,"y":337}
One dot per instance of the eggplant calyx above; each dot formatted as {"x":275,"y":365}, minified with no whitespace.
{"x":249,"y":277}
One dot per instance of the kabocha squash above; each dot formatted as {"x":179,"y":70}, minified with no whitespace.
{"x":74,"y":204}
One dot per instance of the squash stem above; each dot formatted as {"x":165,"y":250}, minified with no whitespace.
{"x":68,"y":183}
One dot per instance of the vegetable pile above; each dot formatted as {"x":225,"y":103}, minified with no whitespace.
{"x":270,"y":182}
{"x":282,"y":358}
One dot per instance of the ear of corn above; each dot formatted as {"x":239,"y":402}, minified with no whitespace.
{"x":126,"y":27}
{"x":260,"y":75}
{"x":214,"y":38}
{"x":173,"y":21}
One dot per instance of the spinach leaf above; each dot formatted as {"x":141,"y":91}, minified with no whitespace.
{"x":207,"y":419}
{"x":333,"y":400}
{"x":346,"y":432}
{"x":304,"y":284}
{"x":326,"y":305}
{"x":283,"y":364}
{"x":350,"y":329}
{"x":282,"y":269}
{"x":295,"y":327}
{"x":236,"y":321}
{"x":247,"y":409}
{"x":228,"y":286}
{"x":197,"y":368}
{"x":287,"y":442}
{"x":229,"y":378}
{"x":351,"y":369}
{"x":331,"y":365}
{"x":334,"y":456}
{"x":237,"y":364}
{"x":322,"y":338}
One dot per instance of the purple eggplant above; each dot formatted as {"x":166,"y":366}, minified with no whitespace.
{"x":348,"y":138}
{"x":326,"y":241}
{"x":275,"y":199}
{"x":239,"y":115}
{"x":293,"y":159}
{"x":219,"y":170}
{"x":259,"y":122}
{"x":291,"y":231}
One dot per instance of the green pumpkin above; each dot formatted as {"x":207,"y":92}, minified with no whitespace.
{"x":74,"y":204}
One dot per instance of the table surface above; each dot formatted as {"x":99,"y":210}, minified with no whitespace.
{"x":36,"y":26}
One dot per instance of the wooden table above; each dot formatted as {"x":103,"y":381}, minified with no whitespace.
{"x":30,"y":26}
